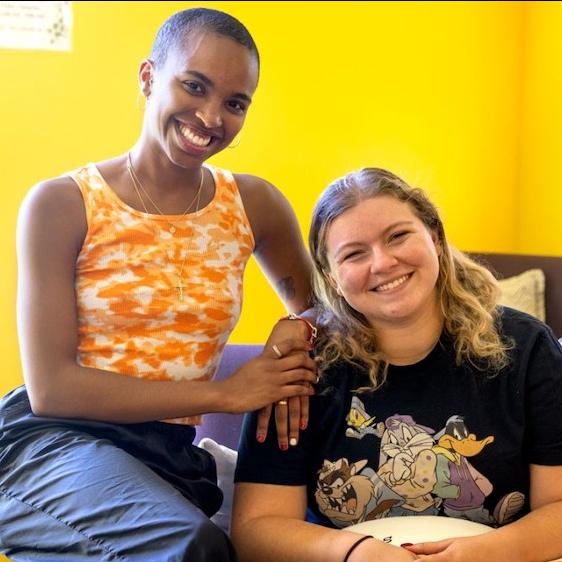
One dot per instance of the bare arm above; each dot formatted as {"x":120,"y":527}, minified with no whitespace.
{"x":283,"y":258}
{"x":280,"y":249}
{"x":268,"y":525}
{"x":533,"y":538}
{"x":51,"y":230}
{"x":538,"y":533}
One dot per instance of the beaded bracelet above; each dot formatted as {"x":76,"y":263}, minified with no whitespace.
{"x":312,"y":330}
{"x":355,"y":545}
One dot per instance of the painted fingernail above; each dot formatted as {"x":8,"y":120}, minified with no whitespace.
{"x":260,"y":437}
{"x":404,"y":544}
{"x":303,"y":425}
{"x":292,"y":441}
{"x":283,"y":446}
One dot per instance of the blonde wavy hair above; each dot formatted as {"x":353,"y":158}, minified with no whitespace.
{"x":467,"y":291}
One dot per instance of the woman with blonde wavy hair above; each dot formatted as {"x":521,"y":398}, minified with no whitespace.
{"x":467,"y":292}
{"x":434,"y":400}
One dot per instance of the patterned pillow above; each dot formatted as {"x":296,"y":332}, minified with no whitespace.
{"x":525,"y":292}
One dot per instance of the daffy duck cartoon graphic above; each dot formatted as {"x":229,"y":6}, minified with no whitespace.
{"x":461,"y":486}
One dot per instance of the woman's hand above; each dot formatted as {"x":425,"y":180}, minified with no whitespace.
{"x":466,"y":549}
{"x":292,"y":416}
{"x":269,"y":378}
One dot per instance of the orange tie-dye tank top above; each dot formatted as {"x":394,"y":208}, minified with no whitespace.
{"x":152,"y":303}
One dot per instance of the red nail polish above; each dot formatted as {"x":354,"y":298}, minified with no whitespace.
{"x":283,"y":446}
{"x":303,"y":425}
{"x":407,"y":544}
{"x":260,"y":438}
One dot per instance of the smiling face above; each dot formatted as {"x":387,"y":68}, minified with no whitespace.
{"x":384,"y":262}
{"x":199,"y":98}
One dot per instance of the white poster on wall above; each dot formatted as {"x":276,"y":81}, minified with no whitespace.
{"x":36,"y":25}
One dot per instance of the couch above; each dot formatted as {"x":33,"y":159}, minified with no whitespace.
{"x":225,"y":428}
{"x":510,"y":267}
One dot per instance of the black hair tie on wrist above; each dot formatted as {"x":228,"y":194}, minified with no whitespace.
{"x":355,"y":545}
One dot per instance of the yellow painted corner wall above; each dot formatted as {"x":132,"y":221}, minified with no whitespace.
{"x":430,"y":90}
{"x":540,"y":218}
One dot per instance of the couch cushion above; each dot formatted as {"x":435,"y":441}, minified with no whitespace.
{"x":225,"y":428}
{"x":525,"y":292}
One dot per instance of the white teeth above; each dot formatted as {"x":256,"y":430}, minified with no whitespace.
{"x":392,"y":284}
{"x":194,"y":138}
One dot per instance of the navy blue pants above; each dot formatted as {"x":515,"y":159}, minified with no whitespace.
{"x":86,"y":490}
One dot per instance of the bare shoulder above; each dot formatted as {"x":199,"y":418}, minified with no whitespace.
{"x":54,"y":192}
{"x":256,"y":190}
{"x":54,"y":206}
{"x":266,"y":206}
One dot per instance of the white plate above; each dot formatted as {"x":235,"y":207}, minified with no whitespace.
{"x":422,"y":528}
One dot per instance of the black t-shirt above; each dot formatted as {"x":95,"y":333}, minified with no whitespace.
{"x":436,"y":439}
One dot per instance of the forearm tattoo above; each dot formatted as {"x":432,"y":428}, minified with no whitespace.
{"x":286,"y":288}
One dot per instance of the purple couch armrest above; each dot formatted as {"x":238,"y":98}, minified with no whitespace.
{"x":225,"y":428}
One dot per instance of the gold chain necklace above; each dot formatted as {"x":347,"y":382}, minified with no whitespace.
{"x":179,"y":286}
{"x":139,"y":187}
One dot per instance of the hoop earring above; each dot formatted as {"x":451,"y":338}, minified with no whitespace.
{"x":237,"y":140}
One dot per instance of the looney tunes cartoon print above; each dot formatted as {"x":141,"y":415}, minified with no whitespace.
{"x":420,"y":471}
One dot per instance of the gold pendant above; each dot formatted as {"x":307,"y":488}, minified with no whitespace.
{"x":179,"y":288}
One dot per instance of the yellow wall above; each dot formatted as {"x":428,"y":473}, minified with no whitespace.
{"x":431,"y":90}
{"x":540,"y":221}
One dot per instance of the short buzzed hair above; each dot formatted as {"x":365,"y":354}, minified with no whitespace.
{"x":181,"y":24}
